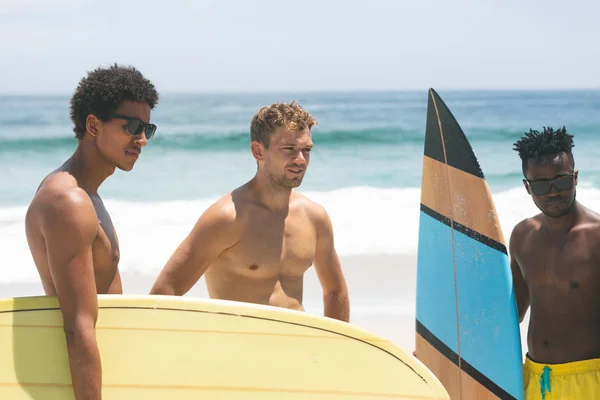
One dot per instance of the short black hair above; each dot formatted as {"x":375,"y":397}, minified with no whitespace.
{"x":549,"y":142}
{"x":103,"y":90}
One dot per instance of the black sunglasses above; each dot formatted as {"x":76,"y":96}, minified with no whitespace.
{"x":543,"y":187}
{"x":136,"y":126}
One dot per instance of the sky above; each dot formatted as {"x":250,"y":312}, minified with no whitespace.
{"x":47,"y":46}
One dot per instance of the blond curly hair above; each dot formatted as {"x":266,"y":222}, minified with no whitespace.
{"x":290,"y":116}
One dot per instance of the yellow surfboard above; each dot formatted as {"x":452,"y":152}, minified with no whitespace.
{"x":162,"y":347}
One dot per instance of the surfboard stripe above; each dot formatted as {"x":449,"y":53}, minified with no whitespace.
{"x":451,"y":356}
{"x":488,"y":313}
{"x":436,"y":297}
{"x":454,"y":143}
{"x":449,"y":190}
{"x":463,"y":272}
{"x":205,"y":331}
{"x":366,"y":341}
{"x":146,"y":321}
{"x":447,"y":371}
{"x":464,"y":230}
{"x":480,"y":312}
{"x":282,"y":390}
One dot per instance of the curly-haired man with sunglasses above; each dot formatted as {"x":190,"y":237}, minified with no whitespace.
{"x":70,"y":234}
{"x":555,"y":261}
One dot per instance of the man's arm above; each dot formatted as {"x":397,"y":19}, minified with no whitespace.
{"x":329,"y":271}
{"x":69,"y":227}
{"x":214,"y":232}
{"x":521,"y":289}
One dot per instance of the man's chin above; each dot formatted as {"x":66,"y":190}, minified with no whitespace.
{"x":125,"y":168}
{"x":295,"y":183}
{"x":556,"y":213}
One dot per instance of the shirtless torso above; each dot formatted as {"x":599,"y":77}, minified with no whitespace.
{"x":256,"y":243}
{"x":250,"y":253}
{"x":70,"y":234}
{"x":270,"y":252}
{"x":557,"y":273}
{"x":58,"y":191}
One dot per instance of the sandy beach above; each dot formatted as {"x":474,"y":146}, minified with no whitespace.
{"x":382,"y":294}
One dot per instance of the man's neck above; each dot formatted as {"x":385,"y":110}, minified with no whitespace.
{"x":564,"y":223}
{"x":88,"y":167}
{"x":275,"y":198}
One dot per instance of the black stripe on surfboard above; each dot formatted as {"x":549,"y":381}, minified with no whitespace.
{"x":465,"y":230}
{"x":459,"y":153}
{"x":236,"y":314}
{"x":464,"y":365}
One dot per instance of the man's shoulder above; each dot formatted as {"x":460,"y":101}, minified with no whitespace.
{"x":526,"y":225}
{"x":60,"y":194}
{"x":592,"y":217}
{"x":523,"y":228}
{"x":223,"y":209}
{"x":61,"y":207}
{"x":312,"y":208}
{"x":590,"y":223}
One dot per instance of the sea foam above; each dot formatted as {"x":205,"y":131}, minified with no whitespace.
{"x":366,"y":220}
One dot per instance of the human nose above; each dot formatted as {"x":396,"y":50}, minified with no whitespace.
{"x":141,"y":139}
{"x":552,"y":191}
{"x":300,"y":158}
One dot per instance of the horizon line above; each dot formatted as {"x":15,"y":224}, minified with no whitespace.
{"x":323,"y":91}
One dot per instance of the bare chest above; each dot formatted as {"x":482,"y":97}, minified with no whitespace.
{"x":270,"y":248}
{"x":561,"y":266}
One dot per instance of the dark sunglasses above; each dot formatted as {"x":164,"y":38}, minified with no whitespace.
{"x":136,"y":126}
{"x":542,"y":187}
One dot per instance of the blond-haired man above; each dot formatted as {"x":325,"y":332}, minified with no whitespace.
{"x":255,"y":243}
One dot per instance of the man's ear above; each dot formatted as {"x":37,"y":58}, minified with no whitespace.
{"x":258,"y":150}
{"x":92,"y":125}
{"x":576,"y":177}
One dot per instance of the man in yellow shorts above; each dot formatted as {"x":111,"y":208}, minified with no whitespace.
{"x":555,"y":261}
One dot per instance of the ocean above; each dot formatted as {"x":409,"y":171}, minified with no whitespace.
{"x":365,"y":167}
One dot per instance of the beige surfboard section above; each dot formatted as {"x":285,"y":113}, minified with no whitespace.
{"x":162,"y":347}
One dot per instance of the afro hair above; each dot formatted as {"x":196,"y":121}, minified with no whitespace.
{"x":103,"y":90}
{"x":539,"y":145}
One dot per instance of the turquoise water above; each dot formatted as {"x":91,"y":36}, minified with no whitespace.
{"x":363,"y":139}
{"x":365,"y":168}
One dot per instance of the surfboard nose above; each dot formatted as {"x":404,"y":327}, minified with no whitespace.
{"x":467,"y":327}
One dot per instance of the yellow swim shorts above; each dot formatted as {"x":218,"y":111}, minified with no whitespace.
{"x":579,"y":380}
